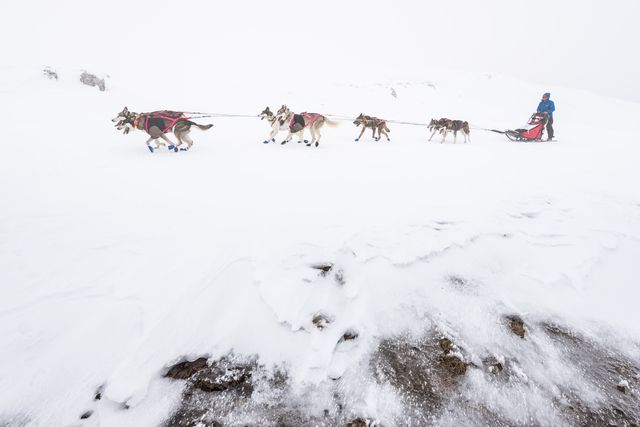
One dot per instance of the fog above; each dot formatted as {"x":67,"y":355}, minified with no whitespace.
{"x":588,"y":44}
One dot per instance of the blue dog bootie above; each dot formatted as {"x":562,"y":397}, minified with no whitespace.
{"x":150,"y":148}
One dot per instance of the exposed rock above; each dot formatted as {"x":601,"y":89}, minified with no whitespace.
{"x":426,"y":371}
{"x":98,"y":394}
{"x":600,"y":367}
{"x":92,"y":80}
{"x":446,"y":345}
{"x":359,"y":422}
{"x":324,"y":268}
{"x":223,"y":378}
{"x":429,"y":376}
{"x":453,"y":365}
{"x":237,"y":391}
{"x":321,"y":321}
{"x":349,"y":335}
{"x":186,"y":369}
{"x":623,"y":386}
{"x":458,"y":282}
{"x":50,"y":74}
{"x":493,"y":365}
{"x":516,"y":324}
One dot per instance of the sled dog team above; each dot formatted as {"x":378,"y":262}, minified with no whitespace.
{"x":158,"y":124}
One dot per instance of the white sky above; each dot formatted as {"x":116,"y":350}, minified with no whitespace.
{"x":589,"y":44}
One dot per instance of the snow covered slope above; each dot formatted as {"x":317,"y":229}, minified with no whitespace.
{"x":116,"y":263}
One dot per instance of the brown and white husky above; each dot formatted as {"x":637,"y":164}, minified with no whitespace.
{"x":299,"y":122}
{"x":373,"y":123}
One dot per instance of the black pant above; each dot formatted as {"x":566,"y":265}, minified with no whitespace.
{"x":550,"y":128}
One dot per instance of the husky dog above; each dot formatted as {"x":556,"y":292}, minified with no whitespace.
{"x":276,"y":125}
{"x":299,"y":122}
{"x":373,"y":123}
{"x":157,"y":124}
{"x":444,"y":126}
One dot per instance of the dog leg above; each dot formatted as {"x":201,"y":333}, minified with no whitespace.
{"x":149,"y":144}
{"x":273,"y":133}
{"x":188,"y":140}
{"x":433,"y":132}
{"x":163,"y":136}
{"x":455,"y":136}
{"x":312,"y":131}
{"x":444,"y":135}
{"x":361,"y":132}
{"x":179,"y":138}
{"x":318,"y":136}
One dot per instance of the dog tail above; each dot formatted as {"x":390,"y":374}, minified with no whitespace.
{"x":386,"y":128}
{"x":330,"y":123}
{"x":201,"y":127}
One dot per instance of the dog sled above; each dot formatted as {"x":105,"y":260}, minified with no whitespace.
{"x":531,"y":132}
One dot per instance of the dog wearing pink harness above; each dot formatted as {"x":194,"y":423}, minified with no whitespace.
{"x":157,"y":124}
{"x":299,"y":122}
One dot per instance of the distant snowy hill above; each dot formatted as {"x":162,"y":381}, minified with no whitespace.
{"x":372,"y":280}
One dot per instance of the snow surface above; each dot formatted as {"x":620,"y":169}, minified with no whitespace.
{"x":116,"y":263}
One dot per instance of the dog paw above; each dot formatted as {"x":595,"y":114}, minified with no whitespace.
{"x":265,"y":142}
{"x":150,"y":148}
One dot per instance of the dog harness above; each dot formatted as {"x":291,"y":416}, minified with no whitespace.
{"x":158,"y":118}
{"x":299,"y":118}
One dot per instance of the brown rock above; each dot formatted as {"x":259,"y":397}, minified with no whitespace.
{"x":358,"y":422}
{"x":184,"y":370}
{"x":517,"y":325}
{"x":321,"y":321}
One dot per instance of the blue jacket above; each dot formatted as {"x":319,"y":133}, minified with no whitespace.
{"x":547,"y":107}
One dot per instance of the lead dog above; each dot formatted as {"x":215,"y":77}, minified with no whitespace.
{"x":157,"y":124}
{"x":444,"y":126}
{"x":373,"y":123}
{"x":299,"y":122}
